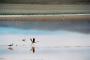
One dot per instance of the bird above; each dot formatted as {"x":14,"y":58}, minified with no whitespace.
{"x":23,"y":40}
{"x":33,"y":40}
{"x":11,"y":44}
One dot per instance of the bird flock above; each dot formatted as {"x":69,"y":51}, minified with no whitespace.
{"x":32,"y":40}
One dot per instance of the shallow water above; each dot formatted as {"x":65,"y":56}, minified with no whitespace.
{"x":57,"y":41}
{"x":45,"y":53}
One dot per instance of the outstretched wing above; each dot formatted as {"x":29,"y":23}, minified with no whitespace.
{"x":31,"y":40}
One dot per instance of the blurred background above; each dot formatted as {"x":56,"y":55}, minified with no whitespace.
{"x":45,"y":1}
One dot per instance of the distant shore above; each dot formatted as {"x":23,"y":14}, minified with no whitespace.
{"x":43,"y":18}
{"x":30,"y":9}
